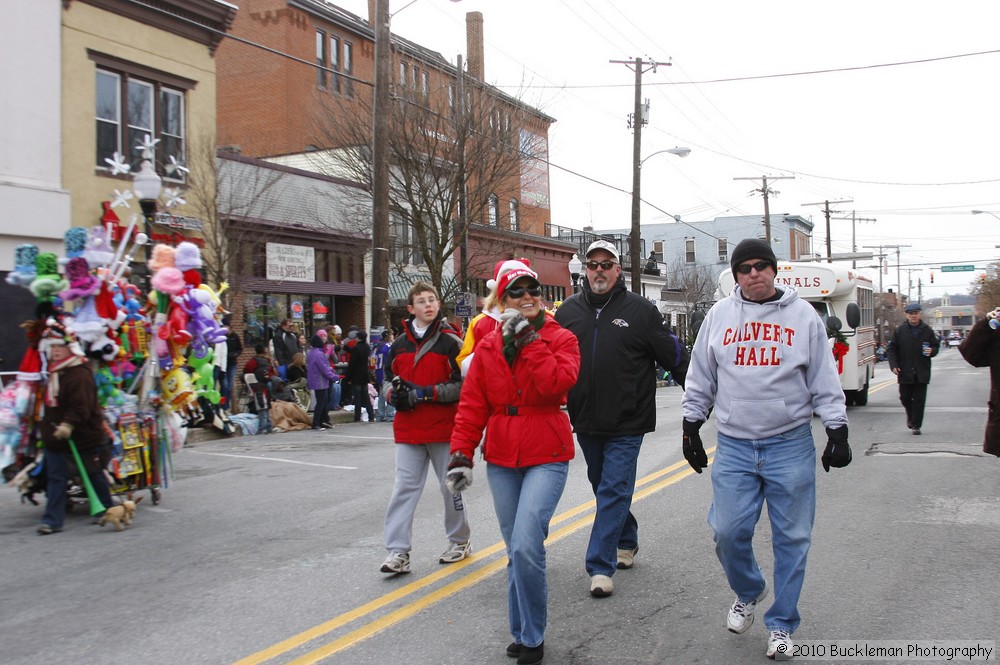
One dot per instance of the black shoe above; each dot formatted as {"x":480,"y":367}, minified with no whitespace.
{"x":45,"y":530}
{"x":531,"y":655}
{"x":514,"y":649}
{"x":320,"y":429}
{"x":327,"y":424}
{"x":916,"y":430}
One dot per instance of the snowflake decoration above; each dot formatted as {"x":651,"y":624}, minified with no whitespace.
{"x":118,"y":164}
{"x":122,"y":198}
{"x":174,"y":166}
{"x":147,"y":146}
{"x":173,"y":196}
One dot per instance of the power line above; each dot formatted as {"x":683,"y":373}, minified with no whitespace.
{"x":812,"y":72}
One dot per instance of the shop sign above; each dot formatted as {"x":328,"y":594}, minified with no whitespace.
{"x":290,"y":263}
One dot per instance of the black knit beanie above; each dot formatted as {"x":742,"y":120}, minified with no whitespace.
{"x":752,"y":248}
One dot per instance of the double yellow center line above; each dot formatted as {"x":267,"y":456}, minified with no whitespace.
{"x":571,"y":519}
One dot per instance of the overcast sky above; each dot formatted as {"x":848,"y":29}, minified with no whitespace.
{"x":915,"y":146}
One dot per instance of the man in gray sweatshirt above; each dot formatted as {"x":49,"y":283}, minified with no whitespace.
{"x":763,"y":363}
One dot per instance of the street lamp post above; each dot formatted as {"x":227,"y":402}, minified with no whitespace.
{"x":985,"y":212}
{"x":635,"y":249}
{"x":575,"y":268}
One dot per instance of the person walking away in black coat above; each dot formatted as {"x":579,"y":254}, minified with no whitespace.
{"x":357,"y":373}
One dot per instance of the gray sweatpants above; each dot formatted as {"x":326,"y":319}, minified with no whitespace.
{"x":411,"y":474}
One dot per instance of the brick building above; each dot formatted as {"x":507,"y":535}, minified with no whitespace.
{"x":276,"y":103}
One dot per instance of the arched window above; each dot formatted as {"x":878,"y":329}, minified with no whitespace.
{"x":515,"y":220}
{"x":493,"y":210}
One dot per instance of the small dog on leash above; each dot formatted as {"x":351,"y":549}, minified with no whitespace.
{"x":121,"y":515}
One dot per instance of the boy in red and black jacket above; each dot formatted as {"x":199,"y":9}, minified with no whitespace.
{"x":423,"y":381}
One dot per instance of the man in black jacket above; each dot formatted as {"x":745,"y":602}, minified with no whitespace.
{"x":286,"y":345}
{"x":622,"y":338}
{"x":358,"y":374}
{"x":910,"y":350}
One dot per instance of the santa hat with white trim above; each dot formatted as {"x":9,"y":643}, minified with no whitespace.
{"x":503,"y":267}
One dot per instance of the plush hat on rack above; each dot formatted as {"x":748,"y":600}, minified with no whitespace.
{"x":24,"y":265}
{"x":503,"y":266}
{"x":98,"y":251}
{"x":81,"y":283}
{"x":162,"y":257}
{"x":187,"y":258}
{"x":75,"y":240}
{"x":47,"y":283}
{"x":30,"y":368}
{"x":168,"y":279}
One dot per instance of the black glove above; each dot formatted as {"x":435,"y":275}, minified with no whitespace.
{"x":518,"y":327}
{"x":694,"y":450}
{"x":399,"y":396}
{"x":459,"y":476}
{"x":838,"y":451}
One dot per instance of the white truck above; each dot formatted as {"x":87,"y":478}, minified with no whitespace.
{"x":839,"y":295}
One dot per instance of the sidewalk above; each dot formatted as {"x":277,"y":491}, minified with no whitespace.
{"x":202,"y":434}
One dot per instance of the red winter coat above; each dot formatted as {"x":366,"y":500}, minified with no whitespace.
{"x":519,"y":406}
{"x":427,"y":362}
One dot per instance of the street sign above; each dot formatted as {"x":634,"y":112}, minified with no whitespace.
{"x":957,"y":268}
{"x":463,"y":303}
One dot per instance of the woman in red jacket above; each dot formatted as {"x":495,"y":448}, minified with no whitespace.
{"x":516,"y":386}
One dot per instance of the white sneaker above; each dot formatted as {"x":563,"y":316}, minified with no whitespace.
{"x":626,"y":558}
{"x":455,"y":552}
{"x":396,"y":563}
{"x":601,"y":586}
{"x":779,"y":645}
{"x":741,"y":613}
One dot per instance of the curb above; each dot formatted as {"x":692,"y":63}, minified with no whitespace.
{"x":205,"y":434}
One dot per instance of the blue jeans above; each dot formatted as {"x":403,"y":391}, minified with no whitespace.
{"x":524,"y":500}
{"x":334,"y":401}
{"x":385,"y":411}
{"x":611,"y":468}
{"x":781,"y":470}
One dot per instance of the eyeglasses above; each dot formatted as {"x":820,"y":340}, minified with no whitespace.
{"x":745,"y":268}
{"x":519,"y":291}
{"x":604,"y":265}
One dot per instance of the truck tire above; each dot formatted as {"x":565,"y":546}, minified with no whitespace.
{"x":861,"y":396}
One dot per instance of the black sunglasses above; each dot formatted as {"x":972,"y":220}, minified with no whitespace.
{"x":606,"y":265}
{"x":519,"y":291}
{"x":745,"y":268}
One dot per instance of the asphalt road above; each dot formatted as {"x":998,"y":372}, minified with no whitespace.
{"x":266,"y":550}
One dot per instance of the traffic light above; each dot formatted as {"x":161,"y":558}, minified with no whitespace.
{"x":932,"y":276}
{"x":982,"y":278}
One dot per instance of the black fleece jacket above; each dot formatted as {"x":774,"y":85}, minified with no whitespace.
{"x":622,"y":339}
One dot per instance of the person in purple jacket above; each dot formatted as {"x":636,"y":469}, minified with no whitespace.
{"x":319,"y":377}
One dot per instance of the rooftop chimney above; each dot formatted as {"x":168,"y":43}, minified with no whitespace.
{"x":474,"y":43}
{"x":371,"y":13}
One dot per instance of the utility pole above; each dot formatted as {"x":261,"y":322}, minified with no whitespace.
{"x":463,"y":222}
{"x":765,"y":191}
{"x":826,"y":212}
{"x":639,"y":118}
{"x":380,"y":168}
{"x":909,"y":281}
{"x":854,"y":220}
{"x":880,"y":312}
